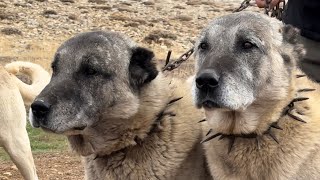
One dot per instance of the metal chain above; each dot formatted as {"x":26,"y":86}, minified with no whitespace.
{"x":243,"y":5}
{"x":175,"y":64}
{"x":276,"y":11}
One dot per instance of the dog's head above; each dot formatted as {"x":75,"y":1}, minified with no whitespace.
{"x":96,"y":76}
{"x":243,"y":58}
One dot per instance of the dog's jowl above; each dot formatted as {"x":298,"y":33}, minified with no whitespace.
{"x":262,"y":113}
{"x":124,"y":117}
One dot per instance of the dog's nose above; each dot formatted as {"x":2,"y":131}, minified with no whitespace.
{"x":207,"y":80}
{"x":40,"y":109}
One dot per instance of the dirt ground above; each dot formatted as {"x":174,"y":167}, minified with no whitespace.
{"x":50,"y":166}
{"x":31,"y":30}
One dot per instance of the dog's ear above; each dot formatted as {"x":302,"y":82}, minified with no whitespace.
{"x":290,"y":36}
{"x":142,"y":69}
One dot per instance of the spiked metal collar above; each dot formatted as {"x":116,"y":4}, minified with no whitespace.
{"x":156,"y":126}
{"x":285,"y":112}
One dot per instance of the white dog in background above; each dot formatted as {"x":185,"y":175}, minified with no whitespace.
{"x":13,"y":95}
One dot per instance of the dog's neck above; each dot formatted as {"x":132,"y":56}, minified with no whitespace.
{"x":269,"y":117}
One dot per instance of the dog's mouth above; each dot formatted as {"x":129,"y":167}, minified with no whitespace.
{"x":209,"y":104}
{"x":72,"y":131}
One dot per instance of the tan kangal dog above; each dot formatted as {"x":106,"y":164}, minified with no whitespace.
{"x":13,"y":133}
{"x":263,"y":115}
{"x":119,"y":112}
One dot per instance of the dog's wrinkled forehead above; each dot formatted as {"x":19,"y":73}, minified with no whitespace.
{"x":96,"y":48}
{"x":257,"y":25}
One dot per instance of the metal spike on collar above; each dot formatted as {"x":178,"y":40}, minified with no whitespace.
{"x":300,"y":113}
{"x":203,"y":120}
{"x":276,"y":126}
{"x":301,"y":75}
{"x":258,"y":143}
{"x":296,"y":118}
{"x":209,"y":132}
{"x":273,"y":136}
{"x":306,"y":90}
{"x":210,"y":137}
{"x":231,"y":143}
{"x":137,"y":140}
{"x":299,"y":99}
{"x":221,"y":137}
{"x":175,"y":100}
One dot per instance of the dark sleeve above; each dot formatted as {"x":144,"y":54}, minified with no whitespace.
{"x":305,"y":15}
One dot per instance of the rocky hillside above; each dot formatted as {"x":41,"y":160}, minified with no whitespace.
{"x":34,"y":28}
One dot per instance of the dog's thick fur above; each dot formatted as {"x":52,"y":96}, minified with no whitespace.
{"x":13,"y":133}
{"x":114,"y":106}
{"x":254,"y":59}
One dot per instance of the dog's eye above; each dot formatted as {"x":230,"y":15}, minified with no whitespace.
{"x":203,"y":46}
{"x":90,"y":71}
{"x":247,"y":45}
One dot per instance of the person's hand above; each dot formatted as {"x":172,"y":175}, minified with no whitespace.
{"x":262,"y":3}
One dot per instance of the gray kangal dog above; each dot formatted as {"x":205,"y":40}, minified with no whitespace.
{"x":125,"y":118}
{"x":262,"y":112}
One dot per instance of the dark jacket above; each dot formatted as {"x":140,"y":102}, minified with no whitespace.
{"x":305,"y":15}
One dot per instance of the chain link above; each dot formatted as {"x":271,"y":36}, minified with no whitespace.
{"x":175,"y":64}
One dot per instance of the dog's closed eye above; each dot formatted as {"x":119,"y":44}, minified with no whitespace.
{"x":247,"y":45}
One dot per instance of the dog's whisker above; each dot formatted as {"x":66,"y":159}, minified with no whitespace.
{"x":296,"y":118}
{"x":210,"y":137}
{"x":301,"y":75}
{"x":203,"y":120}
{"x":299,"y":99}
{"x":231,"y":143}
{"x":175,"y":100}
{"x":273,"y":136}
{"x":306,"y":90}
{"x":209,"y":132}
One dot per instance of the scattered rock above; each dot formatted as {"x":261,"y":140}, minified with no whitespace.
{"x":123,"y":8}
{"x":148,"y":3}
{"x":8,"y":15}
{"x":72,"y":17}
{"x":21,"y":4}
{"x":183,"y":18}
{"x":103,"y":7}
{"x":8,"y":173}
{"x":97,"y":1}
{"x":118,"y":17}
{"x":11,"y":31}
{"x":3,"y":5}
{"x":179,"y":7}
{"x":132,"y":24}
{"x":193,"y":2}
{"x":67,"y":1}
{"x":156,"y":36}
{"x":49,"y":13}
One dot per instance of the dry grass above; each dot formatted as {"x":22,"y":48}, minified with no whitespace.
{"x":40,"y":52}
